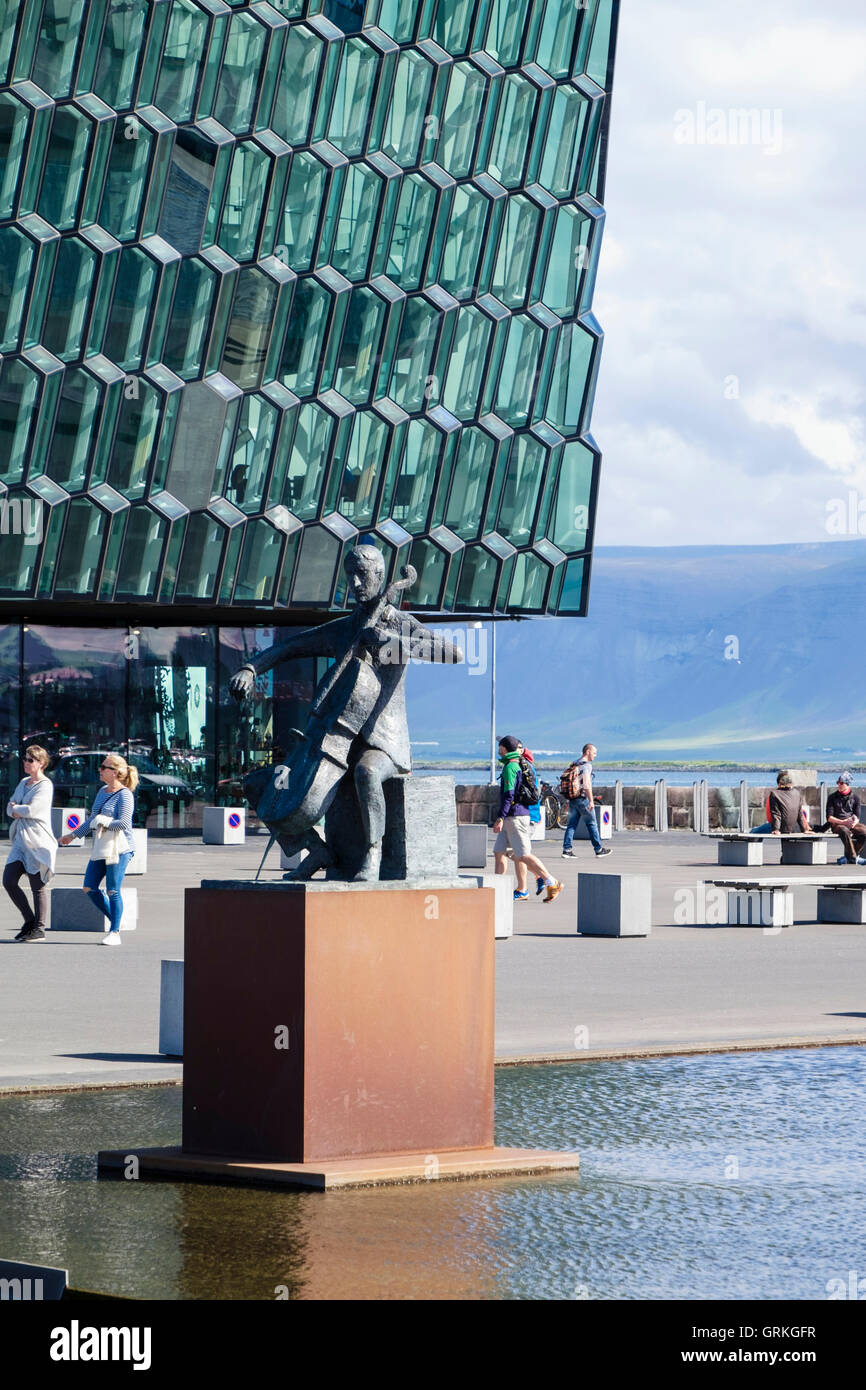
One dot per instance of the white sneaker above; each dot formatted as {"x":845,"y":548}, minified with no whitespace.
{"x":111,"y":938}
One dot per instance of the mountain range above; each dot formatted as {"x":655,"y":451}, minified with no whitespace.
{"x":736,"y":653}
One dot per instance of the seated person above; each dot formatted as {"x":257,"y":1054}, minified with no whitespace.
{"x":787,"y":808}
{"x":843,"y":816}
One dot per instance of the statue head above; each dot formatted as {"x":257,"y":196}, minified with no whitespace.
{"x":365,"y":568}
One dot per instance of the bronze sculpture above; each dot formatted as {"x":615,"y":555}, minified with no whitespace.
{"x":357,"y":725}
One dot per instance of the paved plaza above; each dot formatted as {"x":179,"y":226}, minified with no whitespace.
{"x":75,"y":1014}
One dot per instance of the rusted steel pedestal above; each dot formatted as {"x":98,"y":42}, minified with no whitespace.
{"x":338,"y":1034}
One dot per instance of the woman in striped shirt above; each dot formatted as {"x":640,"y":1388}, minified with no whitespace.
{"x":111,"y":820}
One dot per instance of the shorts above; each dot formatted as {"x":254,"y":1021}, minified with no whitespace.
{"x":514,"y":835}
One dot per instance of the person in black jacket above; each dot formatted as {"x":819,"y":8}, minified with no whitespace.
{"x":843,"y":816}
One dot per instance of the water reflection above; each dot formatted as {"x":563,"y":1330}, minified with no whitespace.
{"x":713,"y":1177}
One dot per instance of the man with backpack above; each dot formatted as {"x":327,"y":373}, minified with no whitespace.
{"x":576,"y":784}
{"x":519,"y":791}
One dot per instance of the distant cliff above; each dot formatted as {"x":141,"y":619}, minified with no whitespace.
{"x":740,"y":652}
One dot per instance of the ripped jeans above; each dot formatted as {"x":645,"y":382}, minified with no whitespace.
{"x":111,"y":906}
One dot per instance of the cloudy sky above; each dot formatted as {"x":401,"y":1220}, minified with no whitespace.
{"x":732,"y":284}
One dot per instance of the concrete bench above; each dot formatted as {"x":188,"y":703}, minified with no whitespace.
{"x":614,"y":904}
{"x":743,"y":849}
{"x":72,"y":910}
{"x":769,"y":902}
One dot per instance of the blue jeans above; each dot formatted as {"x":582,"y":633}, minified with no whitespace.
{"x":579,"y":808}
{"x":112,"y":905}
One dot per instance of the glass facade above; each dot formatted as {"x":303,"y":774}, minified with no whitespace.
{"x":159,"y":696}
{"x":274,"y":278}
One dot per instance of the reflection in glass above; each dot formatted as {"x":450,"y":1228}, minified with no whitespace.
{"x":296,"y":89}
{"x":16,"y":259}
{"x":241,"y":73}
{"x":200,"y":559}
{"x":249,"y":328}
{"x":78,"y":563}
{"x":188,"y":190}
{"x":186,"y":337}
{"x":69,"y":301}
{"x":19,"y":392}
{"x":70,"y":446}
{"x":130,"y":310}
{"x":119,"y":52}
{"x":57,"y":45}
{"x":138,"y":421}
{"x":171,"y":724}
{"x":65,"y":164}
{"x":138,"y":573}
{"x":469,"y":485}
{"x":182,"y":56}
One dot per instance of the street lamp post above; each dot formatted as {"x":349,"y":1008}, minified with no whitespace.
{"x":493,"y":759}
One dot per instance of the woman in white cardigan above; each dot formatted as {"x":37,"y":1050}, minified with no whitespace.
{"x":33,"y":844}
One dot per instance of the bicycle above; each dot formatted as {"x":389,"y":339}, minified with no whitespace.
{"x":555,"y":805}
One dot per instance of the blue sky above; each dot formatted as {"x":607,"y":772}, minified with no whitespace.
{"x":732,"y":288}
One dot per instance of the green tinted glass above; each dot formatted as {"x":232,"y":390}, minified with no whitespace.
{"x":405,"y":123}
{"x":556,"y":39}
{"x":505,"y":30}
{"x":461,"y":119}
{"x":241,"y":74}
{"x":120,"y":51}
{"x":464,"y":242}
{"x":569,"y":261}
{"x":568,"y":396}
{"x":411,"y":233}
{"x":513,"y":127}
{"x":296,"y":89}
{"x":19,"y":396}
{"x":135,"y":441}
{"x":183,"y":53}
{"x":138,"y":570}
{"x":77,"y":417}
{"x":257,"y":426}
{"x":200,"y":559}
{"x":469,"y":485}
{"x":478,"y":574}
{"x":304,"y":194}
{"x":190,"y":314}
{"x":245,"y":200}
{"x":571,"y":511}
{"x":259,"y":563}
{"x":69,"y":301}
{"x":517,"y":374}
{"x":523,"y":479}
{"x":16,"y":261}
{"x":123,"y":198}
{"x":467,"y":363}
{"x":412,"y":496}
{"x":128,"y":320}
{"x":360,"y":347}
{"x":65,"y":161}
{"x":13,"y":139}
{"x":353,"y":95}
{"x":308,"y":460}
{"x":365,"y":462}
{"x":57,"y":46}
{"x":305,"y":336}
{"x":356,"y":222}
{"x":528,"y":583}
{"x":411,"y":384}
{"x":562,"y":143}
{"x":513,"y":268}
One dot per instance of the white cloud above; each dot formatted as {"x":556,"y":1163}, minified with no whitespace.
{"x":723,"y":262}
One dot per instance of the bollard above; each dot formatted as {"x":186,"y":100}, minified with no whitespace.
{"x":618,"y":822}
{"x":661,"y":806}
{"x":705,"y":807}
{"x":744,"y":807}
{"x":823,"y":803}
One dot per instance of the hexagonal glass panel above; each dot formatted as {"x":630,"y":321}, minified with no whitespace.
{"x":65,"y":164}
{"x":517,"y":374}
{"x":478,"y":575}
{"x":25,"y":520}
{"x":186,"y":336}
{"x":140,"y":560}
{"x":513,"y":268}
{"x":356,"y":222}
{"x":467,"y":363}
{"x":125,"y":185}
{"x":245,"y":200}
{"x":241,"y":73}
{"x":360,"y":345}
{"x":77,"y":417}
{"x":505,"y":30}
{"x":464,"y":242}
{"x":317,"y":567}
{"x":528,"y":583}
{"x":395,"y":17}
{"x":134,"y":443}
{"x":16,"y":261}
{"x":562,"y":142}
{"x":308,"y":461}
{"x":130,"y":308}
{"x":523,"y":480}
{"x":182,"y":56}
{"x":411,"y":234}
{"x":568,"y":397}
{"x":353,"y":96}
{"x":69,"y":300}
{"x":19,"y":395}
{"x":305,"y":336}
{"x":513,"y":128}
{"x":411,"y":383}
{"x":14,"y":124}
{"x":407,"y":109}
{"x":570,"y":520}
{"x":556,"y":40}
{"x":57,"y":46}
{"x":364,"y":468}
{"x":458,"y":132}
{"x":259,"y":563}
{"x":411,"y":493}
{"x":120,"y":52}
{"x":308,"y":181}
{"x":296,"y":89}
{"x":452,"y":26}
{"x":568,"y":262}
{"x":258,"y":422}
{"x":201,"y":557}
{"x":78,"y":564}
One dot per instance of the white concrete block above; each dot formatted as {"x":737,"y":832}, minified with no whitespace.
{"x":503,"y":887}
{"x":804,"y":852}
{"x":223,"y":825}
{"x":766,"y":907}
{"x":138,"y":862}
{"x":604,"y":820}
{"x":842,"y":905}
{"x":72,"y":910}
{"x":741,"y":852}
{"x":171,"y":1008}
{"x":472,"y":846}
{"x":614,"y":904}
{"x":65,"y":819}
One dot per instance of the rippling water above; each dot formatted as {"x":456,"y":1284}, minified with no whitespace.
{"x":710,"y":1177}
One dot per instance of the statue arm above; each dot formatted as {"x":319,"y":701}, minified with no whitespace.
{"x":307,"y":641}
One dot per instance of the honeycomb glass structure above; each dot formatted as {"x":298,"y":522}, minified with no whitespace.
{"x":278,"y":277}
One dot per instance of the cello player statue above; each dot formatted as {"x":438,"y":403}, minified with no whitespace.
{"x":357,"y":726}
